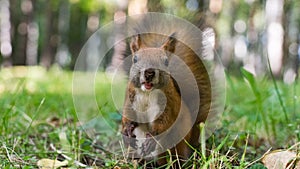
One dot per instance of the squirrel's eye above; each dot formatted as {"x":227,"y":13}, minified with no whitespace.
{"x":135,"y":59}
{"x":166,"y":62}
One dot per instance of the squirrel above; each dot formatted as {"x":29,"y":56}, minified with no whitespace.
{"x":155,"y":102}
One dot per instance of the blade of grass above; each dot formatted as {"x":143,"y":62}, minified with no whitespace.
{"x":203,"y":144}
{"x":35,"y":115}
{"x":250,"y":78}
{"x":277,"y":91}
{"x":294,"y":97}
{"x":222,"y":143}
{"x":242,"y":162}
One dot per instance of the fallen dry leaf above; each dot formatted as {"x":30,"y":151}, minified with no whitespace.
{"x":278,"y":159}
{"x":117,"y":167}
{"x":51,"y":164}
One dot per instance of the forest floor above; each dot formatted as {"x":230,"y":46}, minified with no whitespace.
{"x":40,"y":122}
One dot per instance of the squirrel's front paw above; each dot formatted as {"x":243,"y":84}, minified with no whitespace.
{"x":130,"y":141}
{"x":128,"y":137}
{"x":149,"y":145}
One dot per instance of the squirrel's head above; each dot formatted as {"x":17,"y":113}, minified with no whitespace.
{"x":149,"y":68}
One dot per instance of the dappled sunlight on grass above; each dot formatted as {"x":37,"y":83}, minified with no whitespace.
{"x":34,"y":80}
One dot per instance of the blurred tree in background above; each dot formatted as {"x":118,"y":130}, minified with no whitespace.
{"x":245,"y":33}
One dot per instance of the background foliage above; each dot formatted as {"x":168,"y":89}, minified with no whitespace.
{"x":244,"y":32}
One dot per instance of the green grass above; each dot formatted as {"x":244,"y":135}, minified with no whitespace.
{"x":38,"y":120}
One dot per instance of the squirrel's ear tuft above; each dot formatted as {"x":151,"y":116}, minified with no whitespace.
{"x":135,"y":43}
{"x":170,"y":44}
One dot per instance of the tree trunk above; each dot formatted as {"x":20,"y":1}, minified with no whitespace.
{"x":77,"y":36}
{"x":51,"y":38}
{"x":19,"y":22}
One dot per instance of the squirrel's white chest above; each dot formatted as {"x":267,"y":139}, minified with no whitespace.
{"x":149,"y":105}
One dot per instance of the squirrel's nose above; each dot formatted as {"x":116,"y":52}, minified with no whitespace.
{"x":149,"y":74}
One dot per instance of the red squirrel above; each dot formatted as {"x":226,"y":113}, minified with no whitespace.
{"x":154,"y":99}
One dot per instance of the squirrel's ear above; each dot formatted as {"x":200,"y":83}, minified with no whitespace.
{"x":135,"y":43}
{"x":170,"y":44}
